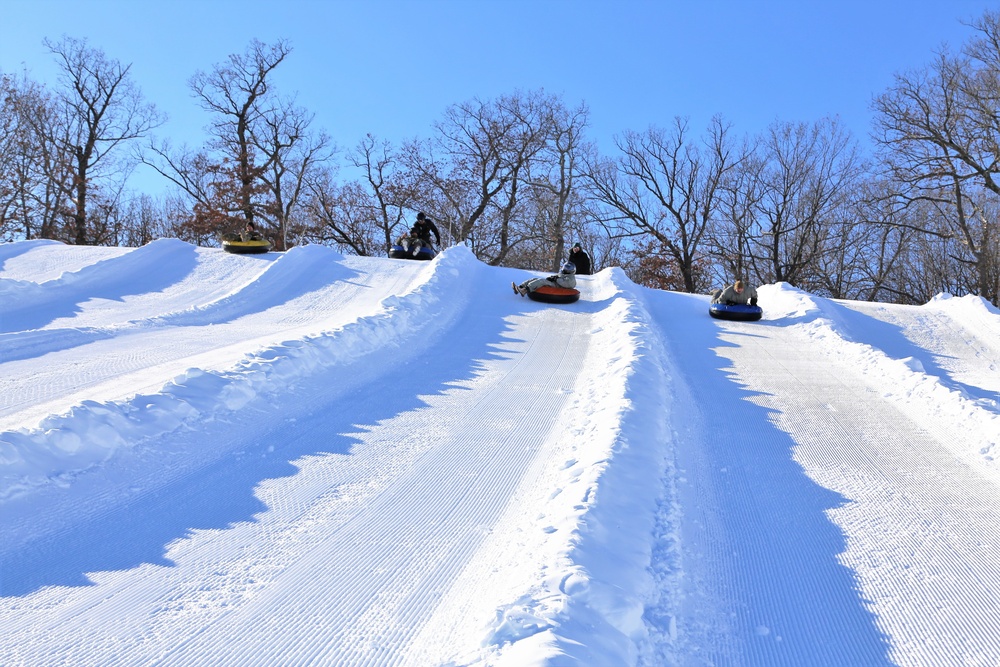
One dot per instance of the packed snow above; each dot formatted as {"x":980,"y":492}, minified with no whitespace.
{"x":306,"y":458}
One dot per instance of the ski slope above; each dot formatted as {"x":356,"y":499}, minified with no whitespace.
{"x":307,"y":458}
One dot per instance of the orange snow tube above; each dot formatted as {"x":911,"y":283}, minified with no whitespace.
{"x":547,"y":294}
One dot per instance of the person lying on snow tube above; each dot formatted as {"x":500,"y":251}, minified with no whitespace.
{"x":731,"y":303}
{"x":401,"y":249}
{"x":247,"y":241}
{"x":564,"y":283}
{"x":249,"y":233}
{"x":738,"y":293}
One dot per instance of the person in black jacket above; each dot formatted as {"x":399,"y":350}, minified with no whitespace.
{"x":580,"y":259}
{"x":420,"y":234}
{"x":250,"y":233}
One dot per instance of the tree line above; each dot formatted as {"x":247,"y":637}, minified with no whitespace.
{"x":517,"y":180}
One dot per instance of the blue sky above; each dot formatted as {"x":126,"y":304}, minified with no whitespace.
{"x":391,"y":67}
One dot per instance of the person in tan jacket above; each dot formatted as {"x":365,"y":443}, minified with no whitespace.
{"x":566,"y":278}
{"x":739,"y":293}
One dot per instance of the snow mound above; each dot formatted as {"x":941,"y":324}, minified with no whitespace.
{"x":64,"y":445}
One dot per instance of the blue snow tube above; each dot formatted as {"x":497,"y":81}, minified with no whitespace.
{"x":399,"y":252}
{"x":737,"y":312}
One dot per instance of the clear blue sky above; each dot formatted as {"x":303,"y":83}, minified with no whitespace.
{"x":390,"y":67}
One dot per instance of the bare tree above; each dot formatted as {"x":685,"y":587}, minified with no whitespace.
{"x":740,"y":193}
{"x":236,"y":93}
{"x":807,"y":171}
{"x":8,"y":142}
{"x":290,"y":152}
{"x":101,"y":109}
{"x":940,"y":135}
{"x":233,"y":178}
{"x":35,"y":171}
{"x":137,"y":221}
{"x":387,"y":194}
{"x":666,"y":187}
{"x":14,"y":149}
{"x":867,"y":246}
{"x":553,"y":174}
{"x":485,"y":147}
{"x":344,"y":216}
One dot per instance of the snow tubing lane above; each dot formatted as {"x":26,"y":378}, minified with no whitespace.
{"x":246,"y":247}
{"x":399,"y":252}
{"x":736,"y":312}
{"x":547,"y":294}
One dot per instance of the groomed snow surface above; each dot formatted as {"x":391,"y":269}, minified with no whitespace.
{"x":312,"y":459}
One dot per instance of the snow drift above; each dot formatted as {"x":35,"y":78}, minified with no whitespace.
{"x":309,"y":458}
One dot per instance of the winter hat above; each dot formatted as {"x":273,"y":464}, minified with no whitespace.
{"x":577,"y":246}
{"x":420,"y":216}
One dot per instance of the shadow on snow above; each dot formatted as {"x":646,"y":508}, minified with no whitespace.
{"x":763,"y":545}
{"x":221,"y":492}
{"x":890,"y":339}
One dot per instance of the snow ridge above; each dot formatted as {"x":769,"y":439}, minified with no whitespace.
{"x":926,"y":398}
{"x":281,"y":464}
{"x":292,"y":273}
{"x":64,"y":445}
{"x":588,"y":607}
{"x":29,"y":305}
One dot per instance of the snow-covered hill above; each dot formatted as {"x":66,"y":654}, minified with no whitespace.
{"x":313,"y":459}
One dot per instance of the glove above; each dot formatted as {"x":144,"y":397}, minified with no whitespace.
{"x":753,"y":301}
